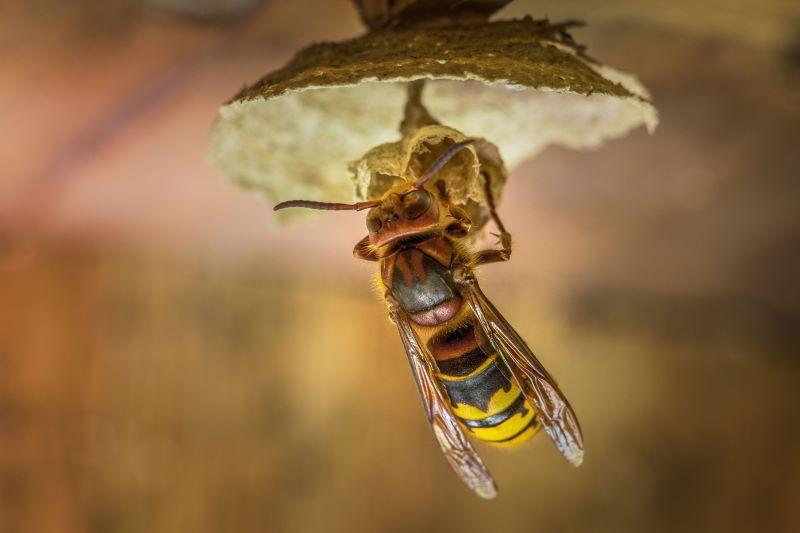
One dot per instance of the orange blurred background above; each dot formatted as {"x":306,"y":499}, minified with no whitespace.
{"x":173,"y":360}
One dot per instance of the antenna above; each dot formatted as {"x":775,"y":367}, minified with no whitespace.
{"x":442,"y":161}
{"x":326,"y":206}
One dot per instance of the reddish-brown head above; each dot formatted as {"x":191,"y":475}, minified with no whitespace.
{"x":405,"y":211}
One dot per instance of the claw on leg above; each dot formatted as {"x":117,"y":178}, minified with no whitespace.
{"x":497,"y":256}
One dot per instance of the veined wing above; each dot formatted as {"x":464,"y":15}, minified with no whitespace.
{"x":537,"y":385}
{"x":451,"y":438}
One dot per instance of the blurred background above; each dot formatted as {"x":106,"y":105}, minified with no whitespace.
{"x":172,"y":360}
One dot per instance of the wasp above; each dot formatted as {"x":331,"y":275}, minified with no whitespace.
{"x":476,"y":376}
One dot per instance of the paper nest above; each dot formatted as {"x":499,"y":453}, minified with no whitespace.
{"x":523,"y":85}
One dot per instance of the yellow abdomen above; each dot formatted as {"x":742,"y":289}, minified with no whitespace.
{"x":487,"y":403}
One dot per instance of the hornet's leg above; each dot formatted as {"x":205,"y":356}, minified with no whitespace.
{"x":504,"y":254}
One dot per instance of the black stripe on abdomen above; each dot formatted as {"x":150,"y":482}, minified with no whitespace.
{"x":495,"y":420}
{"x":463,"y":365}
{"x":532,"y":423}
{"x":477,"y":390}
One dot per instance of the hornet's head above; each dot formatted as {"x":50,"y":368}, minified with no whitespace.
{"x":405,"y":211}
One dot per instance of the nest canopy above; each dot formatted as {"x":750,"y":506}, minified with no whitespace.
{"x":520,"y":84}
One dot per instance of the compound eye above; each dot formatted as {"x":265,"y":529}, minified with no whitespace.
{"x":373,"y":224}
{"x":416,"y":203}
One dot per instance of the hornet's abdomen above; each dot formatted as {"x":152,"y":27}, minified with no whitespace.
{"x":484,"y":398}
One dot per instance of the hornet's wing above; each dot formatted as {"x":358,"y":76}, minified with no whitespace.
{"x":451,"y":438}
{"x":537,"y":385}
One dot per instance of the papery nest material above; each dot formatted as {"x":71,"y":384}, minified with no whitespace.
{"x":523,"y":85}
